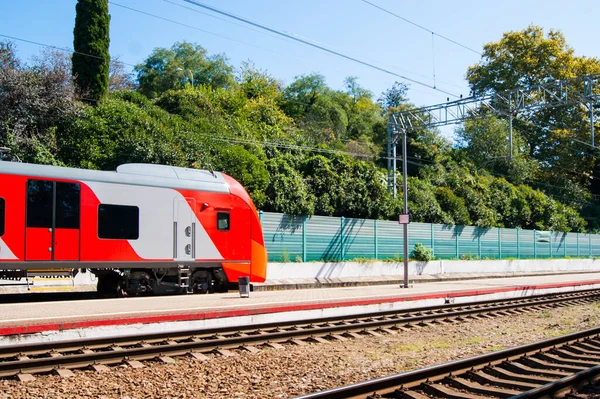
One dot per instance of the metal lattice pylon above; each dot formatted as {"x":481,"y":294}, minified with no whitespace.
{"x":583,"y":90}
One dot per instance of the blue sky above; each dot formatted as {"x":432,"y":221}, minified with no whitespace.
{"x":349,"y":26}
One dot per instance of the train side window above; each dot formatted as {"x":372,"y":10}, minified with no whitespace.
{"x":39,"y":203}
{"x":67,"y":205}
{"x":118,"y":222}
{"x":223,"y":221}
{"x":2,"y":215}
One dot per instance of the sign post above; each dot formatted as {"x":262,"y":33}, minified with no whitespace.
{"x":404,"y":220}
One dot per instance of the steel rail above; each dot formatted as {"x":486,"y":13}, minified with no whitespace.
{"x":424,"y":314}
{"x":45,"y":357}
{"x":403,"y":385}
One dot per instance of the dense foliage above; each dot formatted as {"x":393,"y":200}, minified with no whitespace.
{"x":556,"y":141}
{"x":306,"y":148}
{"x":91,"y":59}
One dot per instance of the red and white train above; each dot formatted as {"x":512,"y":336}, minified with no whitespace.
{"x":142,"y":229}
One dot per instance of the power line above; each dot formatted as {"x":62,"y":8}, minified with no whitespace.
{"x":220,"y":19}
{"x":212,"y":33}
{"x":287,"y":40}
{"x":58,"y":48}
{"x":317,"y":46}
{"x":185,"y":25}
{"x":421,"y":27}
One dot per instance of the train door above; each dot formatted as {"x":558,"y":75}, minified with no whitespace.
{"x":52,"y":226}
{"x":184,"y":229}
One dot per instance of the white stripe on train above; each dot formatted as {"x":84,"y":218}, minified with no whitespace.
{"x":156,"y":223}
{"x":5,"y":252}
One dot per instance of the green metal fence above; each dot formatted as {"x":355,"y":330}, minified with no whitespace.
{"x":302,"y":239}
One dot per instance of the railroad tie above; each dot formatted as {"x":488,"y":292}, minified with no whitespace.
{"x":409,"y":395}
{"x":274,"y":345}
{"x":297,"y":342}
{"x":199,"y":356}
{"x":24,"y":377}
{"x":337,"y":337}
{"x":64,"y":373}
{"x":134,"y":364}
{"x":463,"y":384}
{"x":319,"y":340}
{"x":100,"y":368}
{"x":250,"y":348}
{"x":224,"y":352}
{"x":353,"y":335}
{"x":167,"y":359}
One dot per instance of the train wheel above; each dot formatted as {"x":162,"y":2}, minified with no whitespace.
{"x":120,"y":291}
{"x":219,"y":281}
{"x":202,"y":281}
{"x":108,"y":285}
{"x":102,"y":288}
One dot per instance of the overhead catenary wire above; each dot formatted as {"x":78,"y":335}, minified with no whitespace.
{"x":186,"y":25}
{"x":421,"y":27}
{"x":226,"y":37}
{"x":58,"y":48}
{"x":317,"y":46}
{"x":433,"y":56}
{"x":195,"y":10}
{"x":288,"y":40}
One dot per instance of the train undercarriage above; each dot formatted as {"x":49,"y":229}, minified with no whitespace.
{"x":180,"y":280}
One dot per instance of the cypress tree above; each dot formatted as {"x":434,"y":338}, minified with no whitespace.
{"x":91,"y":59}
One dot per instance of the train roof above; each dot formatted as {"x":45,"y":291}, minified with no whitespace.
{"x":134,"y":173}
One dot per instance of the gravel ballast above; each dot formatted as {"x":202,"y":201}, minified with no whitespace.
{"x":297,"y":370}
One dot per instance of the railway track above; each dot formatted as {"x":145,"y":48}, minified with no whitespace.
{"x":23,"y":361}
{"x":545,"y":369}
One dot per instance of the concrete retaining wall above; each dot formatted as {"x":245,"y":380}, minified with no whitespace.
{"x":344,"y":270}
{"x":278,"y":273}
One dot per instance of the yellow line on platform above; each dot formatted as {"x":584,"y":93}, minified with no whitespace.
{"x":52,"y":289}
{"x":51,"y":278}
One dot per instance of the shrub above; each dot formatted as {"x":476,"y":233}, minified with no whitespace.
{"x":421,"y":253}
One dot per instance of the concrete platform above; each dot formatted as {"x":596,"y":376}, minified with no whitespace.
{"x":52,"y":321}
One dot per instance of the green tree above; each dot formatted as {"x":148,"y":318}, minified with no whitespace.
{"x":91,"y":59}
{"x":248,"y":169}
{"x":300,"y":95}
{"x":486,"y":142}
{"x":453,"y":205}
{"x":392,"y":98}
{"x":324,"y":184}
{"x":422,"y":203}
{"x":555,"y":137}
{"x":184,"y":63}
{"x":256,"y":83}
{"x":287,"y":191}
{"x":35,"y":102}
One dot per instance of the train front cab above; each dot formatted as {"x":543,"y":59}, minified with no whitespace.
{"x":256,"y":269}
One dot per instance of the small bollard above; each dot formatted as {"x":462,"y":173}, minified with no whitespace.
{"x":244,"y":284}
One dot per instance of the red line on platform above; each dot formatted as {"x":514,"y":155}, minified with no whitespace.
{"x":216,"y":314}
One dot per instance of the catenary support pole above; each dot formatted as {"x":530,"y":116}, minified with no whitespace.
{"x":304,"y":239}
{"x":405,"y":179}
{"x":592,"y":124}
{"x":518,"y":243}
{"x":376,"y":239}
{"x":510,"y":127}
